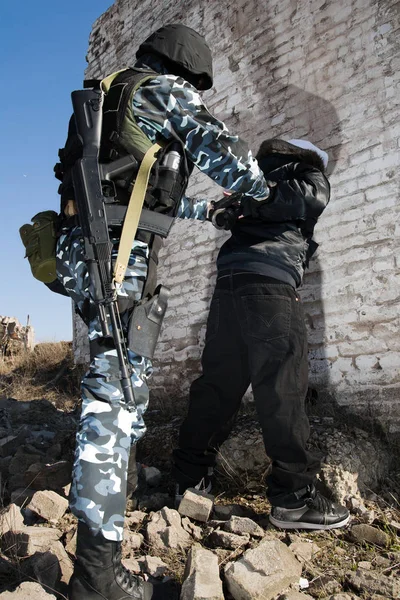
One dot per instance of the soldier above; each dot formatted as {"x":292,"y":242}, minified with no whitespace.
{"x":157,"y":100}
{"x":256,"y":334}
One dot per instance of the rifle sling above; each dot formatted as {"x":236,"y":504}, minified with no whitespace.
{"x":133,"y":213}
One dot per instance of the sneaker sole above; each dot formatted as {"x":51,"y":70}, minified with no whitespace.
{"x":301,"y":525}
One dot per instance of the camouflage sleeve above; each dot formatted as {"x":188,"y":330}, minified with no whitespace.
{"x":169,"y":106}
{"x":192,"y":209}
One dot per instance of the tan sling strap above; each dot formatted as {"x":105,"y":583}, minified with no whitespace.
{"x":133,"y":213}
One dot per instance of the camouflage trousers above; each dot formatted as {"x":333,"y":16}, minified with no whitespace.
{"x":108,"y":427}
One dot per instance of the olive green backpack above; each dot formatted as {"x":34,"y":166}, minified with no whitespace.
{"x":40,"y":240}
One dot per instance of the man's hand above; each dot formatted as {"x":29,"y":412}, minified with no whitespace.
{"x":70,"y":208}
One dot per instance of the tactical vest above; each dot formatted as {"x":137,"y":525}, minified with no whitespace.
{"x":121,"y":136}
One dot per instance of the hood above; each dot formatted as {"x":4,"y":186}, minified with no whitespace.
{"x":276,"y":152}
{"x":181,"y":46}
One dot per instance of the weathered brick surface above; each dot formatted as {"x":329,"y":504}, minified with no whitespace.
{"x":327,"y":71}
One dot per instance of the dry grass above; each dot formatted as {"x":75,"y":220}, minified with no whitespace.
{"x":47,"y":372}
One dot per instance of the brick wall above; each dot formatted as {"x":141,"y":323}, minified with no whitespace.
{"x":327,"y":71}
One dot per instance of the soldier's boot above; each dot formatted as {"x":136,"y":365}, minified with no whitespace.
{"x":99,"y":573}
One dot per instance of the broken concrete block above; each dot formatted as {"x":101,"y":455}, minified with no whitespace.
{"x":164,"y":530}
{"x":230,"y":541}
{"x":196,"y":505}
{"x":44,"y":568}
{"x":241,"y":525}
{"x":226,"y":511}
{"x":11,"y":519}
{"x":194,"y":530}
{"x":64,"y":560}
{"x":296,"y":596}
{"x":21,"y":496}
{"x":154,"y":566}
{"x":135,"y":517}
{"x":27,"y":591}
{"x":262,"y":572}
{"x":10,"y":444}
{"x":372,"y":535}
{"x":70,"y":541}
{"x":201,"y":579}
{"x":151,"y":475}
{"x":49,"y":477}
{"x":304,"y":551}
{"x":132,"y":541}
{"x":49,"y":505}
{"x":29,"y":540}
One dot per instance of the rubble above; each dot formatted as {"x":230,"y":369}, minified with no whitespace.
{"x":196,"y":505}
{"x":14,"y":337}
{"x":27,"y":591}
{"x":367,"y":534}
{"x":255,"y":561}
{"x":202,"y":580}
{"x":262,"y":572}
{"x":11,"y":519}
{"x":28,"y":540}
{"x":48,"y":505}
{"x":165,"y":530}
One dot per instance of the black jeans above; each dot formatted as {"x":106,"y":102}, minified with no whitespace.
{"x":255,"y":334}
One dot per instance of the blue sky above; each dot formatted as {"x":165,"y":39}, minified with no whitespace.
{"x":42,"y":47}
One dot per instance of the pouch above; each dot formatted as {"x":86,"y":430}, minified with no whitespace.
{"x":145,"y":323}
{"x":40,"y":241}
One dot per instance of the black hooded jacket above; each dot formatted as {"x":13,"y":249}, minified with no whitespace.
{"x":274,"y":238}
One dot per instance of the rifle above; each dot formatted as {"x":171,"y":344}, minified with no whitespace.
{"x":89,"y":180}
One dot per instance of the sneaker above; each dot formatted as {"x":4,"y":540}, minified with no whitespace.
{"x":315,"y":512}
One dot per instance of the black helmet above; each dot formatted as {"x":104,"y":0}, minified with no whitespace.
{"x":184,"y":48}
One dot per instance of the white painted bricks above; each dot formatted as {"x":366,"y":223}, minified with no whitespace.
{"x":327,"y":71}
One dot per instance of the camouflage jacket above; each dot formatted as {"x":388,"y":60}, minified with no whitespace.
{"x":170,"y":107}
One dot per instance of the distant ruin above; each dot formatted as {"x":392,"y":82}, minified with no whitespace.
{"x":14,"y":337}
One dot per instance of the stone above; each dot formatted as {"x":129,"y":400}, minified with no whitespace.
{"x":262,"y":572}
{"x":304,"y":551}
{"x":132,"y":540}
{"x":49,"y":505}
{"x":21,"y":461}
{"x":295,"y":596}
{"x":10,"y":444}
{"x":70,"y":541}
{"x":11,"y":519}
{"x":241,"y":525}
{"x":201,"y":578}
{"x":226,"y":511}
{"x":153,"y":565}
{"x":364,"y":533}
{"x":155,"y":502}
{"x":194,"y":530}
{"x":230,"y":541}
{"x":49,"y":477}
{"x":325,"y":585}
{"x":164,"y":530}
{"x":132,"y":564}
{"x":27,"y":591}
{"x":151,"y":475}
{"x":343,"y":597}
{"x":196,"y":505}
{"x":370,"y":583}
{"x":64,"y":560}
{"x":21,"y":496}
{"x":29,"y":540}
{"x":135,"y":517}
{"x":365,"y":564}
{"x":44,"y":568}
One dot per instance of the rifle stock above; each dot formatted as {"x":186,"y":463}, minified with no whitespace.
{"x":87,"y":106}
